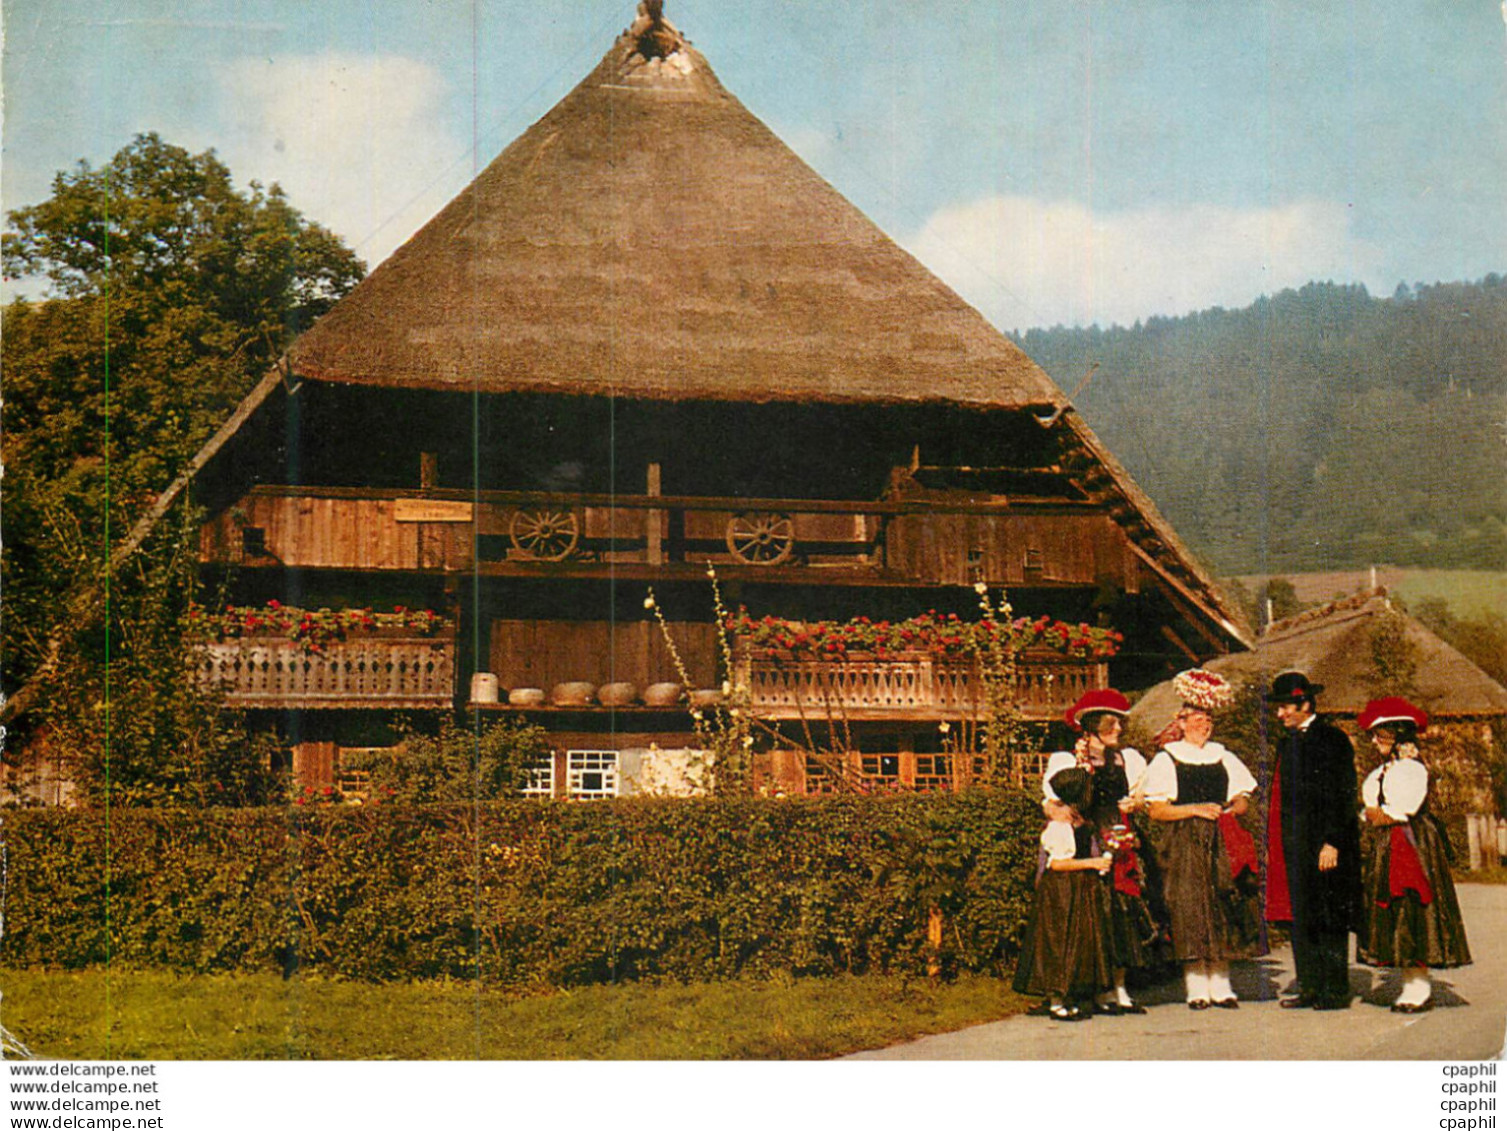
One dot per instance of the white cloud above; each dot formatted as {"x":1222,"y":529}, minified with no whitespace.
{"x":1026,"y":262}
{"x":359,"y":143}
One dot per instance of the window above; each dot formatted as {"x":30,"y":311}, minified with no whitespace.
{"x":591,"y":775}
{"x":882,"y":769}
{"x":933,"y":771}
{"x":349,"y":781}
{"x":540,"y":777}
{"x":820,"y":776}
{"x":253,"y":542}
{"x":974,"y":563}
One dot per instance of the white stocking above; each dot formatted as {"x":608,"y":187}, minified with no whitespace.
{"x":1219,"y":981}
{"x":1196,"y":980}
{"x":1416,"y":988}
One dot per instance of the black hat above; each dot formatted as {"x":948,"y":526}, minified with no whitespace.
{"x":1290,"y":687}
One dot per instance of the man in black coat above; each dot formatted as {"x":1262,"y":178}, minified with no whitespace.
{"x":1313,"y":845}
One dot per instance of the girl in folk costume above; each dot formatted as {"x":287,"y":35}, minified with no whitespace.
{"x":1196,"y":790}
{"x":1412,"y":917}
{"x":1065,"y":954}
{"x":1115,"y":775}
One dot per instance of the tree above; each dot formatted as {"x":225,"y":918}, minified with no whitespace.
{"x":1280,"y":597}
{"x":168,"y":293}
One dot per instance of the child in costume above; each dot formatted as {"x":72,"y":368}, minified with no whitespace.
{"x":1116,"y":776}
{"x":1065,"y":955}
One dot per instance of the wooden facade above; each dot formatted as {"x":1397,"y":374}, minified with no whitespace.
{"x":547,"y":587}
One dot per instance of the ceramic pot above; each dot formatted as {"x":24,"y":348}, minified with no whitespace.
{"x":526,"y":696}
{"x":572,"y":694}
{"x":483,"y":688}
{"x":617,"y":694}
{"x":706,"y":697}
{"x":662,"y":694}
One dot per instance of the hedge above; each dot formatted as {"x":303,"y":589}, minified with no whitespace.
{"x":524,"y":892}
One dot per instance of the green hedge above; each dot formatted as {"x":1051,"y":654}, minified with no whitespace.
{"x":527,"y":892}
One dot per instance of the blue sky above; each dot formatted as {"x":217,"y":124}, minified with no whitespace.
{"x":1055,"y":162}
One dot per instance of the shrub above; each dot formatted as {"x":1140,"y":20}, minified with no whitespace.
{"x":488,"y":762}
{"x":529,"y":892}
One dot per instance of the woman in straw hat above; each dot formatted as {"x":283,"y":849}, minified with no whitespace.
{"x":1116,"y":774}
{"x":1412,"y":917}
{"x":1196,"y":790}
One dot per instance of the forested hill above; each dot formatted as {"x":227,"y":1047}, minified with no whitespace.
{"x":1317,"y":429}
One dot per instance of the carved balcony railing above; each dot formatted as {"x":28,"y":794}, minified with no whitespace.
{"x":917,"y":686}
{"x":366,"y":672}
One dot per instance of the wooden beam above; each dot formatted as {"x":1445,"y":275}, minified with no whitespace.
{"x":1031,"y":505}
{"x":1177,"y":642}
{"x":1190,"y":613}
{"x":811,"y":575}
{"x":654,"y":520}
{"x":1176,"y":587}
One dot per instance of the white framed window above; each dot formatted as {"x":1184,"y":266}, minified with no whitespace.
{"x":590,"y":775}
{"x":540,"y":779}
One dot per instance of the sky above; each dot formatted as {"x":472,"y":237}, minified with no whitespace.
{"x":1064,"y":162}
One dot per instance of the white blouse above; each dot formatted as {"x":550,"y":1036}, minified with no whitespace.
{"x":1058,"y":841}
{"x":1135,"y":770}
{"x":1161,"y":776}
{"x":1407,"y":786}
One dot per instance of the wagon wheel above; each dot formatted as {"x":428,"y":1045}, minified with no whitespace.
{"x":544,"y":534}
{"x":761,"y":537}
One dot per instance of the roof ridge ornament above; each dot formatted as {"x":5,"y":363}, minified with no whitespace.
{"x":655,"y":37}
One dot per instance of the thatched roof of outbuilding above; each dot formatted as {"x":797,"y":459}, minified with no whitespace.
{"x":1331,"y":645}
{"x":649,"y":237}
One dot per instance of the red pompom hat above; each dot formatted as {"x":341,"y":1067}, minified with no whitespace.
{"x":1393,"y":709}
{"x":1108,"y":700}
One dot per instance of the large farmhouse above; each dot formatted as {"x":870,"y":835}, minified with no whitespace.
{"x":645,"y":339}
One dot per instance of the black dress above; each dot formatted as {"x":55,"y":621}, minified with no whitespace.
{"x":1066,"y":952}
{"x":1402,"y":929}
{"x":1214,"y":916}
{"x":1132,"y":930}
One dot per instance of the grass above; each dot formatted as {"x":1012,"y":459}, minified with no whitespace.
{"x":1469,"y":593}
{"x":98,"y":1014}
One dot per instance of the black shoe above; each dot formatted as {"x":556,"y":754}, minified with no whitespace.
{"x":1201,"y":1003}
{"x":1413,"y":1006}
{"x":1227,"y":1003}
{"x":1301,"y":1001}
{"x":1108,"y":1008}
{"x":1067,"y":1013}
{"x":1132,"y":1009}
{"x":1332,"y":1003}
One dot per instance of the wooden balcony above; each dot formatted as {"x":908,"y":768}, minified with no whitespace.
{"x":1042,"y":543}
{"x":406,"y":672}
{"x":915,"y":687}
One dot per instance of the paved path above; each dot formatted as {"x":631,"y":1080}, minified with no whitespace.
{"x":1468,"y":1021}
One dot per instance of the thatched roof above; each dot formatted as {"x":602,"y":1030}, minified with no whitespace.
{"x":1332,"y":646}
{"x":650,"y":237}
